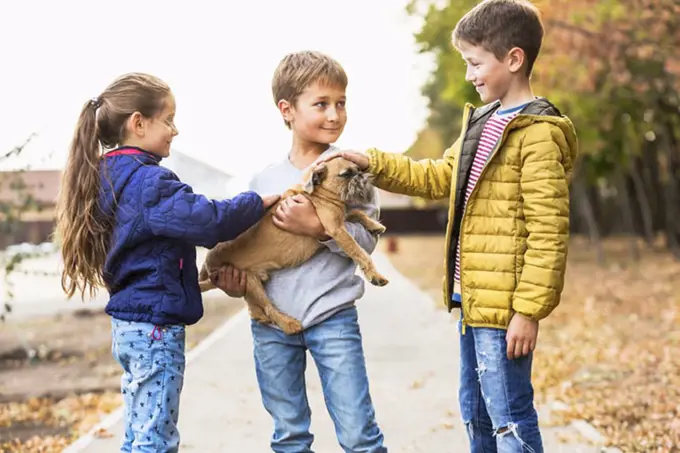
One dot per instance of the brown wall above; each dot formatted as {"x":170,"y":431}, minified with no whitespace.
{"x":414,"y":221}
{"x":33,"y":232}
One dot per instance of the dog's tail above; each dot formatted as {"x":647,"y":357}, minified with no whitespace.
{"x":203,"y":274}
{"x":204,"y":280}
{"x":206,"y":285}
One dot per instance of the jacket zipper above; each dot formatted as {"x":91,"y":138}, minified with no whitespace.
{"x":462,"y":217}
{"x":470,"y":112}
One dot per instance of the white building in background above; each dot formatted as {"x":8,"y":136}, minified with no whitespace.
{"x":203,"y":178}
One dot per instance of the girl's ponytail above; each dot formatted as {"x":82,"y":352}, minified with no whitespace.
{"x":83,"y":231}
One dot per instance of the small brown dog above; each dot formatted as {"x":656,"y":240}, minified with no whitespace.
{"x":265,"y":247}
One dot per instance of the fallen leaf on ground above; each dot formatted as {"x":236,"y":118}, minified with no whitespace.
{"x":103,"y":433}
{"x":611,"y":349}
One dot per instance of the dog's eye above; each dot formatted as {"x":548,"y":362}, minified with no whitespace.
{"x":347,"y":173}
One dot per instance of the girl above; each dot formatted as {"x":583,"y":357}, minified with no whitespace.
{"x":128,"y":224}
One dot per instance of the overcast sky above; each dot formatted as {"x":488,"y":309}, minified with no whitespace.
{"x":217,"y":59}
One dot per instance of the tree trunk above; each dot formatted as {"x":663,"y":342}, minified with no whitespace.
{"x":626,"y":211}
{"x":652,"y":178}
{"x":643,"y":203}
{"x":588,"y":213}
{"x":671,"y":191}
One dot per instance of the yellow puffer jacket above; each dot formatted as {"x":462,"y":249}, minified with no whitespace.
{"x":514,"y":230}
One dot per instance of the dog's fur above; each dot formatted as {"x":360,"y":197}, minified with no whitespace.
{"x":265,"y":247}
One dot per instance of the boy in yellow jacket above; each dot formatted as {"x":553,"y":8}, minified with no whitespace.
{"x":507,"y":180}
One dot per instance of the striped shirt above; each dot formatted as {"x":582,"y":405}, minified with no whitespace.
{"x":492,"y":132}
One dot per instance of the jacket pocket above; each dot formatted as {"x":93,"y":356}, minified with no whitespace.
{"x":181,"y":278}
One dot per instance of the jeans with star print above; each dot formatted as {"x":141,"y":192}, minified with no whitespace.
{"x":153,"y":360}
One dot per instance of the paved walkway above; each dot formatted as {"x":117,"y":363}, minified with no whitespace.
{"x":411,"y":351}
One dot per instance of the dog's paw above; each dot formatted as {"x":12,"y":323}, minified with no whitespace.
{"x":378,"y":230}
{"x":261,"y":319}
{"x":290,"y":326}
{"x":378,"y":280}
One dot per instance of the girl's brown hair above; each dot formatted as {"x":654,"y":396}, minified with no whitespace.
{"x":83,"y":230}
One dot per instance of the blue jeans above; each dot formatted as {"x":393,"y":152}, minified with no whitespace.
{"x":496,"y":395}
{"x":153,"y":362}
{"x":335,"y":346}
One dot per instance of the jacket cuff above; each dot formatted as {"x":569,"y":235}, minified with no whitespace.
{"x":531,"y":310}
{"x":374,"y":165}
{"x":254,"y":201}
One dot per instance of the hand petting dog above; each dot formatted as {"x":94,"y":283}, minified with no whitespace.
{"x":359,"y":158}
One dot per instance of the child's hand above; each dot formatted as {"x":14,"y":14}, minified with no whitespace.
{"x":358,"y":158}
{"x":297,"y":215}
{"x":230,"y":280}
{"x":269,"y":200}
{"x":521,"y":336}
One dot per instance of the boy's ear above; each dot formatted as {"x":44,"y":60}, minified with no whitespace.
{"x":286,"y":110}
{"x":515,"y":59}
{"x":315,"y":178}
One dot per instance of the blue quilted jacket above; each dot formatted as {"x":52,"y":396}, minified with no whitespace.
{"x":150,"y":271}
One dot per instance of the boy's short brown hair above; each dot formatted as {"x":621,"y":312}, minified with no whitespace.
{"x":500,"y":25}
{"x":298,"y":70}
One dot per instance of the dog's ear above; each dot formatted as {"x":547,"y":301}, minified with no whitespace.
{"x":315,"y":178}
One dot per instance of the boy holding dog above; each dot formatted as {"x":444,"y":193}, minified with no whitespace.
{"x":309,"y":91}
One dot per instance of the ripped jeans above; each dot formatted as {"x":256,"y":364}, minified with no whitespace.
{"x":496,"y":395}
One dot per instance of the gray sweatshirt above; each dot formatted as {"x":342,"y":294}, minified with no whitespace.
{"x":327,"y":282}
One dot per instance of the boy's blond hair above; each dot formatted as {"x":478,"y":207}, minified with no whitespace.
{"x":500,"y":25}
{"x":298,"y":70}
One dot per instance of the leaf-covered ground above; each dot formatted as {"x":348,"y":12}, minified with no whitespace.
{"x":47,"y":402}
{"x":610,"y":351}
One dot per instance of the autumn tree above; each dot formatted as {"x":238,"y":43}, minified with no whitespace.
{"x":613,"y":67}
